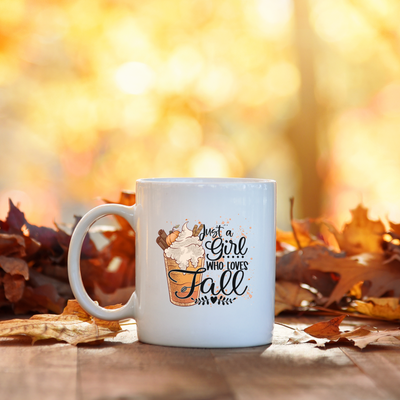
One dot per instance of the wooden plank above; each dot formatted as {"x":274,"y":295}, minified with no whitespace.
{"x":125,"y":368}
{"x":301,"y":371}
{"x":138,"y":370}
{"x":40,"y":371}
{"x":381,"y":364}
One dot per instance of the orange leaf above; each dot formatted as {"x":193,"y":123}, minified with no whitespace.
{"x":364,"y":267}
{"x":387,"y":307}
{"x":395,"y":228}
{"x":73,"y":308}
{"x":127,"y":198}
{"x":361,"y":235}
{"x":326,"y":329}
{"x":329,"y":331}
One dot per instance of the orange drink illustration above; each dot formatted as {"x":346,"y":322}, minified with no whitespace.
{"x":183,"y":286}
{"x":184,"y":258}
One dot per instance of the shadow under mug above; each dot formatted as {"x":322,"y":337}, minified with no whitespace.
{"x":205,"y":261}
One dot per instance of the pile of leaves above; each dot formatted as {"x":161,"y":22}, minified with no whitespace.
{"x":354,"y":271}
{"x":33,"y":264}
{"x":73,"y":326}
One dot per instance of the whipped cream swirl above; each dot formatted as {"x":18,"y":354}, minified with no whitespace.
{"x":185,"y":248}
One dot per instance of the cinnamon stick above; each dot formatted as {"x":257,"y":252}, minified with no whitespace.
{"x":198,"y":230}
{"x":162,"y":233}
{"x":161,"y":242}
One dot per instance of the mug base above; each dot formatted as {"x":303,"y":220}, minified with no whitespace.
{"x":208,"y":345}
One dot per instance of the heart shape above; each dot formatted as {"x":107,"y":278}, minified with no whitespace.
{"x":213,"y":299}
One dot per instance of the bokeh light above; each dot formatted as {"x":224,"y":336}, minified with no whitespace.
{"x":134,"y":77}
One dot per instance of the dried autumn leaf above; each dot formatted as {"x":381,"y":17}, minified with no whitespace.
{"x":74,"y":308}
{"x":40,"y":299}
{"x":287,"y":238}
{"x":300,"y":236}
{"x":118,"y":255}
{"x":14,"y":286}
{"x":14,"y":266}
{"x":290,"y":295}
{"x":126,"y":198}
{"x":356,"y":292}
{"x":326,"y":329}
{"x":89,"y":249}
{"x":32,"y":246}
{"x":386,"y":307}
{"x":391,"y":242}
{"x":365,"y":335}
{"x":45,"y":250}
{"x":295,"y":267}
{"x":61,"y":285}
{"x":12,"y":245}
{"x":3,"y":299}
{"x":382,"y":277}
{"x":15,"y":219}
{"x":329,"y":332}
{"x":73,"y":326}
{"x":47,"y":237}
{"x":395,"y":228}
{"x":360,"y":235}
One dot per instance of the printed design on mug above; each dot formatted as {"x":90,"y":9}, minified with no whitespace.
{"x":204,"y":266}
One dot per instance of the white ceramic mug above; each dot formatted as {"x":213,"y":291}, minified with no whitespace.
{"x":205,"y":261}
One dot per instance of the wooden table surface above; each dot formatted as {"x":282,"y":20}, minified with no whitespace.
{"x":125,"y":369}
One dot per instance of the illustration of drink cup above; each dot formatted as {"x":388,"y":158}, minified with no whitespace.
{"x":184,"y":259}
{"x":183,"y":285}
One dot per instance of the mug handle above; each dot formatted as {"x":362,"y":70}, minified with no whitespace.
{"x":74,"y":271}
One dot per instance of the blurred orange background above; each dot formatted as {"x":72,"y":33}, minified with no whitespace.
{"x":95,"y":94}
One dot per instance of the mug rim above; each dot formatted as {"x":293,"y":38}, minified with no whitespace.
{"x":204,"y":181}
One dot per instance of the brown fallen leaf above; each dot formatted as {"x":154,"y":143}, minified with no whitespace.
{"x":12,"y":245}
{"x":303,"y":236}
{"x":73,"y":326}
{"x":126,"y":198}
{"x":14,"y":286}
{"x":40,"y":299}
{"x":395,"y":228}
{"x":295,"y":267}
{"x":360,"y":235}
{"x":39,"y":255}
{"x":290,"y":295}
{"x":326,"y":329}
{"x":365,"y":335}
{"x":120,"y":251}
{"x":14,"y":266}
{"x":382,"y":277}
{"x":329,"y":332}
{"x":385,"y":307}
